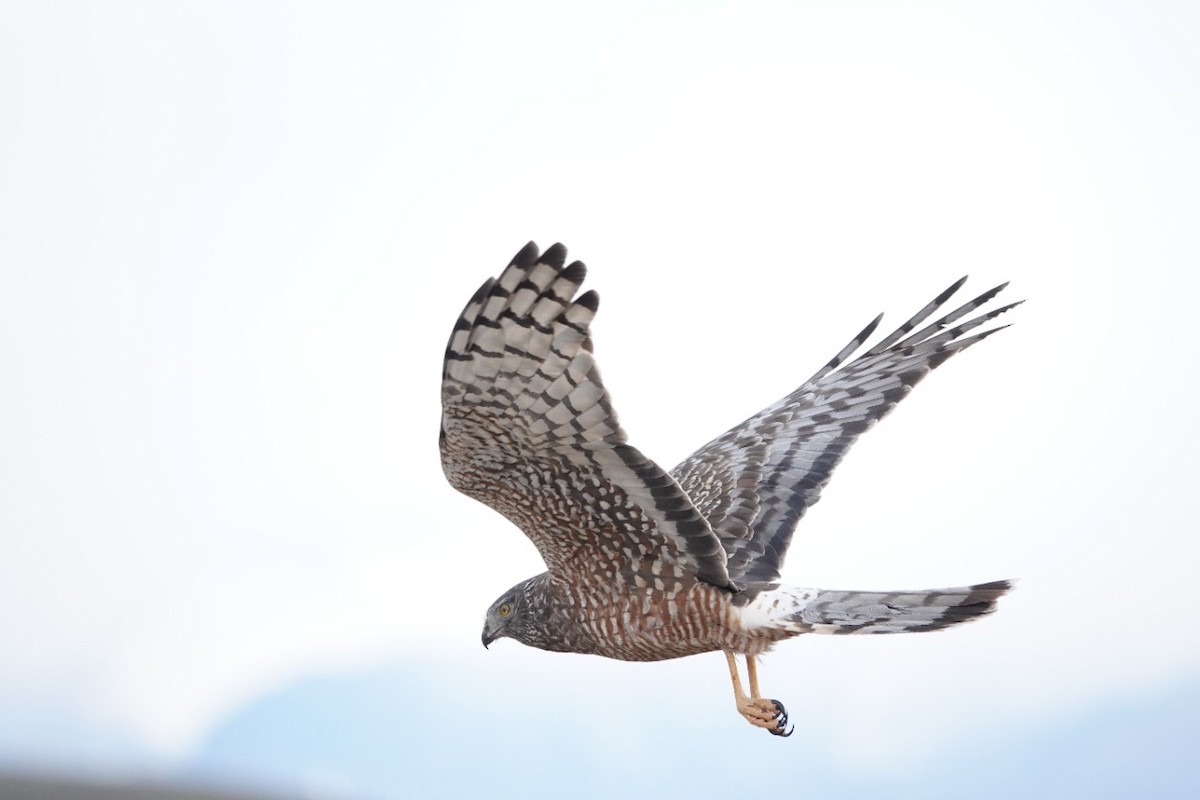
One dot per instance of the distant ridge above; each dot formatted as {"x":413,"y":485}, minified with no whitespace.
{"x":29,"y":787}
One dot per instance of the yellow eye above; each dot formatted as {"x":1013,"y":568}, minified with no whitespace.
{"x":504,"y":610}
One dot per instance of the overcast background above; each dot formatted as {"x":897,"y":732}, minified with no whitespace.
{"x":234,"y":238}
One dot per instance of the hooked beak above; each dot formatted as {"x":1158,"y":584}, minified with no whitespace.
{"x":486,"y":638}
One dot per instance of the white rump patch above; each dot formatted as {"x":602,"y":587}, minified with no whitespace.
{"x":777,"y":609}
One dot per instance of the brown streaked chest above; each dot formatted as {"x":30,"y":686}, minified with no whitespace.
{"x":651,"y":624}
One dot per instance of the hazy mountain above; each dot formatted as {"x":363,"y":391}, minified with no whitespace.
{"x":401,"y":731}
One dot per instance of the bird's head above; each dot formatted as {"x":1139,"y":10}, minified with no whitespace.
{"x":523,"y":613}
{"x":501,"y":618}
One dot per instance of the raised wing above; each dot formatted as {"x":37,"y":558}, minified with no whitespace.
{"x":755,"y":482}
{"x":528,"y":429}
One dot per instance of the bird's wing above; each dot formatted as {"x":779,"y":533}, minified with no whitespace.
{"x":528,"y":429}
{"x":755,"y":482}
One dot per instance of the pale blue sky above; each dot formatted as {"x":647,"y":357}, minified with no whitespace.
{"x":236,"y":236}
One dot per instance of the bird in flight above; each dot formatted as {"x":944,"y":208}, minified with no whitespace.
{"x":643,"y":564}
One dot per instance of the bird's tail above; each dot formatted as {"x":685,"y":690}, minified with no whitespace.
{"x":795,"y":610}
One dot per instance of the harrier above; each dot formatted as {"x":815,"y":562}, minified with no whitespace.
{"x":645,"y":564}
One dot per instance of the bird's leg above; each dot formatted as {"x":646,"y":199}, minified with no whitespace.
{"x":758,"y":711}
{"x":781,"y":712}
{"x":752,"y":672}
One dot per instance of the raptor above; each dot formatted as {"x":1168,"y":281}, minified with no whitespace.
{"x":645,"y":564}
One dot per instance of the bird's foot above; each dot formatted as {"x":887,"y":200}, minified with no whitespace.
{"x":763,"y":712}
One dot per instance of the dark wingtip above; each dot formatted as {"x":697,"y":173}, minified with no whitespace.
{"x":950,"y":290}
{"x":575,"y":272}
{"x":866,"y":332}
{"x":555,"y":255}
{"x":480,"y":293}
{"x":989,"y":294}
{"x":527,"y":256}
{"x":589,"y":300}
{"x":979,"y":337}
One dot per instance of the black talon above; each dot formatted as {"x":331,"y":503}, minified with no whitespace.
{"x":782,"y":717}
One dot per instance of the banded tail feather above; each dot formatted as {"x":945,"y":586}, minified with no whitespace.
{"x":795,"y":610}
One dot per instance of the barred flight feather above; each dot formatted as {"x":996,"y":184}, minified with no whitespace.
{"x":755,"y":482}
{"x":528,"y":428}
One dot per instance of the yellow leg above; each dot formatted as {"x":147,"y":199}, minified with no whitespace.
{"x":738,"y":694}
{"x":758,"y":711}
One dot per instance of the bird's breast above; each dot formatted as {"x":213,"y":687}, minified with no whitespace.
{"x":646,"y":624}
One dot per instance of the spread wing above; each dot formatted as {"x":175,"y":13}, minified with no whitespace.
{"x":755,"y":482}
{"x":528,"y":429}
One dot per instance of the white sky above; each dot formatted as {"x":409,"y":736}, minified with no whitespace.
{"x":235,"y":237}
